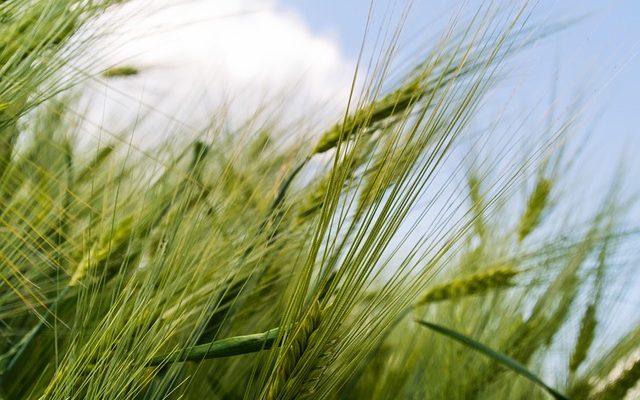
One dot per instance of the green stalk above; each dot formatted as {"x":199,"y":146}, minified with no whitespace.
{"x":495,"y":355}
{"x":228,"y":347}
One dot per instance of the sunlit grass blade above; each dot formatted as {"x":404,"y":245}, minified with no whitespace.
{"x":228,"y":347}
{"x":495,"y":355}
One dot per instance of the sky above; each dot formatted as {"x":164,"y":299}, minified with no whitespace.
{"x":597,"y":57}
{"x":241,"y":55}
{"x":294,"y":60}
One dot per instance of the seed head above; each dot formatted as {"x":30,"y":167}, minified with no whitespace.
{"x":474,"y":284}
{"x":535,"y":206}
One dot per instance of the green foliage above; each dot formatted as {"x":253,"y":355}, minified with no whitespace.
{"x":499,"y":357}
{"x":484,"y":281}
{"x":121,"y":71}
{"x":211,"y":270}
{"x":535,"y":207}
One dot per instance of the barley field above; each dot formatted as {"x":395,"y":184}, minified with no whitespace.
{"x":400,"y":249}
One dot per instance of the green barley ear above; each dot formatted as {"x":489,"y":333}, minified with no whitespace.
{"x":613,"y":372}
{"x":101,"y":251}
{"x":477,"y":205}
{"x":388,"y":169}
{"x":296,"y":348}
{"x":261,"y":143}
{"x":585,"y":337}
{"x":100,"y":158}
{"x":420,"y":85}
{"x":480,"y":282}
{"x":580,"y":390}
{"x":368,"y":119}
{"x":122,"y":71}
{"x":356,"y":157}
{"x":536,"y":205}
{"x":627,"y":377}
{"x":589,"y":320}
{"x":200,"y":151}
{"x":314,"y":200}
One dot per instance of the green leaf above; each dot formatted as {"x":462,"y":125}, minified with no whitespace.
{"x":232,"y":346}
{"x":497,"y":356}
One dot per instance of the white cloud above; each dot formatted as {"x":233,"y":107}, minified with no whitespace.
{"x":200,"y":55}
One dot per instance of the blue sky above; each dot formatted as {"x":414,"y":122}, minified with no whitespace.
{"x":597,"y":58}
{"x":311,"y":46}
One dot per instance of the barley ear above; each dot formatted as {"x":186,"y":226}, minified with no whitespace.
{"x":585,"y":338}
{"x":477,"y":205}
{"x":354,"y":159}
{"x":370,"y":118}
{"x":535,"y":207}
{"x":589,"y":320}
{"x":122,"y":71}
{"x":99,"y":253}
{"x":296,"y":348}
{"x":480,"y":282}
{"x":625,"y":382}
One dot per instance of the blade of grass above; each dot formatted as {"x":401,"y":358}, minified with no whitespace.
{"x":232,"y":346}
{"x":495,"y":355}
